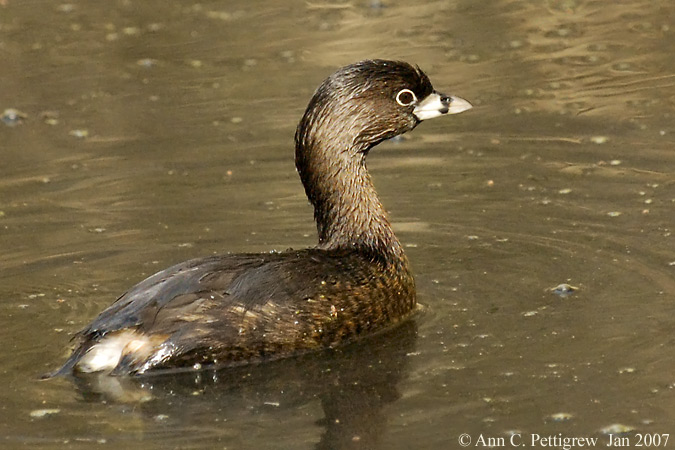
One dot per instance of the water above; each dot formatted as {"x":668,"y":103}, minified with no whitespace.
{"x":159,"y":131}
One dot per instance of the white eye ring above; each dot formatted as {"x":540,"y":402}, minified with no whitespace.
{"x":405,"y":91}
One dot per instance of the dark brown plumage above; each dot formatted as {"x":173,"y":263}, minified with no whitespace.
{"x":233,"y":309}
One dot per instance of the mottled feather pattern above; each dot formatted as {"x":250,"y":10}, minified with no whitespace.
{"x":222,"y":323}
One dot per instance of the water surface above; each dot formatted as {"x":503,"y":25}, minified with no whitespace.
{"x":159,"y":131}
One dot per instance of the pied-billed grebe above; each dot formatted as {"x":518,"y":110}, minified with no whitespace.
{"x":232,"y":309}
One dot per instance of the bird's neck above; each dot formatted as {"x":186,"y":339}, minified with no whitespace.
{"x":347,"y":210}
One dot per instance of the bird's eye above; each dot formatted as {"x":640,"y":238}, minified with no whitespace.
{"x":406,"y":97}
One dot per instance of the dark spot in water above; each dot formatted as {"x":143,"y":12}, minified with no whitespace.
{"x":12,"y":117}
{"x":564,"y":290}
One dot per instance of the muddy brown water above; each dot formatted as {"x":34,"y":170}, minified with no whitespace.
{"x":159,"y":131}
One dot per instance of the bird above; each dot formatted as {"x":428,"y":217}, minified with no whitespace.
{"x":236,"y":309}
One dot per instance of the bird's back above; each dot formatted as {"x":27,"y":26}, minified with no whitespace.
{"x":225,"y":310}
